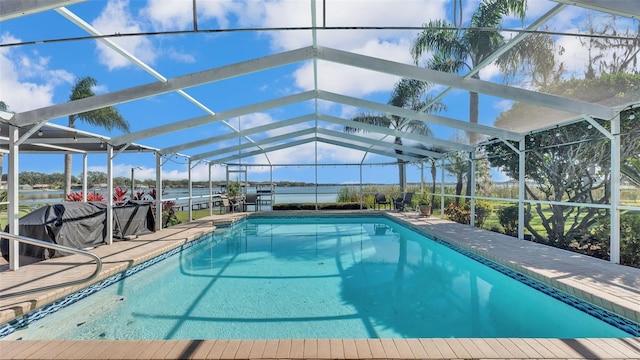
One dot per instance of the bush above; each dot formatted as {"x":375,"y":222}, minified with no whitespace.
{"x":348,"y":194}
{"x":508,"y":218}
{"x":458,"y":213}
{"x":597,"y":242}
{"x":77,"y":196}
{"x":483,"y":211}
{"x":462,"y":213}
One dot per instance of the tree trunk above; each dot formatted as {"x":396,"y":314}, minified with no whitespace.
{"x":67,"y":174}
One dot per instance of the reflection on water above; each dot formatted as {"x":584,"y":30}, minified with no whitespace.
{"x":319,"y":278}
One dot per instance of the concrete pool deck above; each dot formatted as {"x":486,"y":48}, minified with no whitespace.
{"x":613,"y":287}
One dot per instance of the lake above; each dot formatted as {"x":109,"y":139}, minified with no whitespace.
{"x":282,"y":194}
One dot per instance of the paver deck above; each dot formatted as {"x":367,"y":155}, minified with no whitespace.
{"x":613,"y":287}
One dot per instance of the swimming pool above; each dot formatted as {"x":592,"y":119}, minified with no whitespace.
{"x":318,"y":278}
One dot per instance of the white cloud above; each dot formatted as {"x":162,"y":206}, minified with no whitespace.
{"x":503,"y":105}
{"x":27,"y":81}
{"x":178,"y":14}
{"x":116,"y":18}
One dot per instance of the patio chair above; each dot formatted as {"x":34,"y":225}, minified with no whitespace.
{"x":402,"y":202}
{"x":381,"y":199}
{"x":250,"y":199}
{"x":228,"y":205}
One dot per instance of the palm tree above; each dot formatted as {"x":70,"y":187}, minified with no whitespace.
{"x":455,"y":49}
{"x":107,"y":117}
{"x":409,"y":94}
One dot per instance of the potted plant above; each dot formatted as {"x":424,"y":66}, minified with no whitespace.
{"x":424,"y":205}
{"x":233,"y":189}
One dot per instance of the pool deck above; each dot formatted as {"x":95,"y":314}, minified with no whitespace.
{"x":613,"y":287}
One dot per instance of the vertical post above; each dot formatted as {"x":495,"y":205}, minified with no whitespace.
{"x":133,"y":169}
{"x":190,"y":212}
{"x":109,"y":239}
{"x":422,"y":177}
{"x":158,"y":192}
{"x":84,"y":177}
{"x":615,"y":191}
{"x":210,"y":191}
{"x":472,"y":202}
{"x":316,"y":171}
{"x":13,"y":209}
{"x":361,"y":189}
{"x":442,"y":190}
{"x":521,"y":179}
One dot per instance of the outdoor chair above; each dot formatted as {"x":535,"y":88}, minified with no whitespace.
{"x":250,"y":199}
{"x":381,"y":199}
{"x":228,"y":205}
{"x":402,"y":202}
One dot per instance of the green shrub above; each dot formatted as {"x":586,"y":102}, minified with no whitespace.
{"x":462,"y":213}
{"x":508,"y":217}
{"x":484,"y":209}
{"x":597,"y":242}
{"x":458,"y":213}
{"x":348,"y":194}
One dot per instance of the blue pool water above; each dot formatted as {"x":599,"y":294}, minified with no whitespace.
{"x":272,"y":278}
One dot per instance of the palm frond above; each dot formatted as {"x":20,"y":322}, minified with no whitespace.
{"x":83,"y":88}
{"x":438,"y":36}
{"x":377,"y":120}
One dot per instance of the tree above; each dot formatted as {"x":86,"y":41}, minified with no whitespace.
{"x":455,"y":49}
{"x":572,"y":163}
{"x":409,"y":94}
{"x":108,"y":117}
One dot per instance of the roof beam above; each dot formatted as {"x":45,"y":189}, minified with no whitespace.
{"x":207,"y":119}
{"x":162,"y":87}
{"x":391,"y":132}
{"x":244,"y":146}
{"x":10,"y":9}
{"x":385,"y":144}
{"x":260,"y":152}
{"x":628,"y":8}
{"x":475,"y":85}
{"x":368,"y":150}
{"x":245,"y":132}
{"x":412,"y":114}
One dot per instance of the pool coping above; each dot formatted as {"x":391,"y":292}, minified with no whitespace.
{"x":604,"y":291}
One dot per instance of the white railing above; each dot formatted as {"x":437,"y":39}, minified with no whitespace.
{"x":48,"y":245}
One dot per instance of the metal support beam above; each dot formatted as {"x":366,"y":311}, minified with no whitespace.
{"x":459,"y":82}
{"x":208,"y":119}
{"x":84,"y":177}
{"x":13,"y":209}
{"x":159,"y":192}
{"x":615,"y":191}
{"x":521,"y":183}
{"x":10,"y":9}
{"x":109,"y":239}
{"x":162,"y":87}
{"x":412,"y":114}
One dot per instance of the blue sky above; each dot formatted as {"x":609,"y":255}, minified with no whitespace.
{"x":34,"y":76}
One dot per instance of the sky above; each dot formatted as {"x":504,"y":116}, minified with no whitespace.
{"x":35,"y":76}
